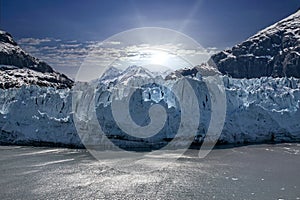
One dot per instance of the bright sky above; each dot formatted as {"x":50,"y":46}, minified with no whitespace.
{"x":60,"y":31}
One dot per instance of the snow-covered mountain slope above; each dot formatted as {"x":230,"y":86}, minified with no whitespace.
{"x":113,"y":74}
{"x":18,"y":68}
{"x":258,"y":110}
{"x":203,"y":69}
{"x":15,"y":77}
{"x":274,"y":51}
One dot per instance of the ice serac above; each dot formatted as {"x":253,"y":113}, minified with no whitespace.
{"x":18,"y":68}
{"x":262,"y":110}
{"x":274,"y":51}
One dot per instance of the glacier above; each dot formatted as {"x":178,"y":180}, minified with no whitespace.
{"x":37,"y":115}
{"x":258,"y":110}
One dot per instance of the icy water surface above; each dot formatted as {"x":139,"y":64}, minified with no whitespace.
{"x":249,"y":172}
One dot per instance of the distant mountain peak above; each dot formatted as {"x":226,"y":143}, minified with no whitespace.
{"x":136,"y":69}
{"x":114,"y":74}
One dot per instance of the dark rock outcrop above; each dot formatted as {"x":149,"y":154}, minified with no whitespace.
{"x":274,"y":51}
{"x":18,"y":68}
{"x":203,"y":69}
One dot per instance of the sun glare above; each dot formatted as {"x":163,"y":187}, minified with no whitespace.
{"x":159,"y":58}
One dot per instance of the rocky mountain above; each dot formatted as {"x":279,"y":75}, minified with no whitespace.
{"x":274,"y":51}
{"x":203,"y":69}
{"x":18,"y":68}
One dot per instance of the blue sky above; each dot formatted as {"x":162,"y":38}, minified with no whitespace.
{"x":213,"y":23}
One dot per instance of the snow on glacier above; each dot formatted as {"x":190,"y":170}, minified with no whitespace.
{"x":258,"y":110}
{"x":33,"y":114}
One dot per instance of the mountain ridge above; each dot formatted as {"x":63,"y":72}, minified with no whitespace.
{"x":273,"y":51}
{"x":19,"y":68}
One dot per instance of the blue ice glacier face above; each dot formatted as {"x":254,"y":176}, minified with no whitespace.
{"x":258,"y":110}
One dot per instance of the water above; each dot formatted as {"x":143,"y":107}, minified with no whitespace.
{"x":249,"y":172}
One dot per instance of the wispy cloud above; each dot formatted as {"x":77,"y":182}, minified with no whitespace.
{"x":64,"y":56}
{"x":67,"y":56}
{"x":33,"y":41}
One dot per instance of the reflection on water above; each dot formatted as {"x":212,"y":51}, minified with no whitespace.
{"x":247,"y":172}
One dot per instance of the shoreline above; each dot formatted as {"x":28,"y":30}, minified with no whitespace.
{"x":192,"y":147}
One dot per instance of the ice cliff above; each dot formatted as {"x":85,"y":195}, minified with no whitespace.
{"x":258,"y":110}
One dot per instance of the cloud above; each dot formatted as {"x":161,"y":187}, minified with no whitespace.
{"x":48,"y":48}
{"x":32,"y":49}
{"x":33,"y":41}
{"x":72,"y":41}
{"x":67,"y":56}
{"x":69,"y":45}
{"x":112,"y":43}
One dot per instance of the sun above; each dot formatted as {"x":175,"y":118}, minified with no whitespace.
{"x":159,"y":58}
